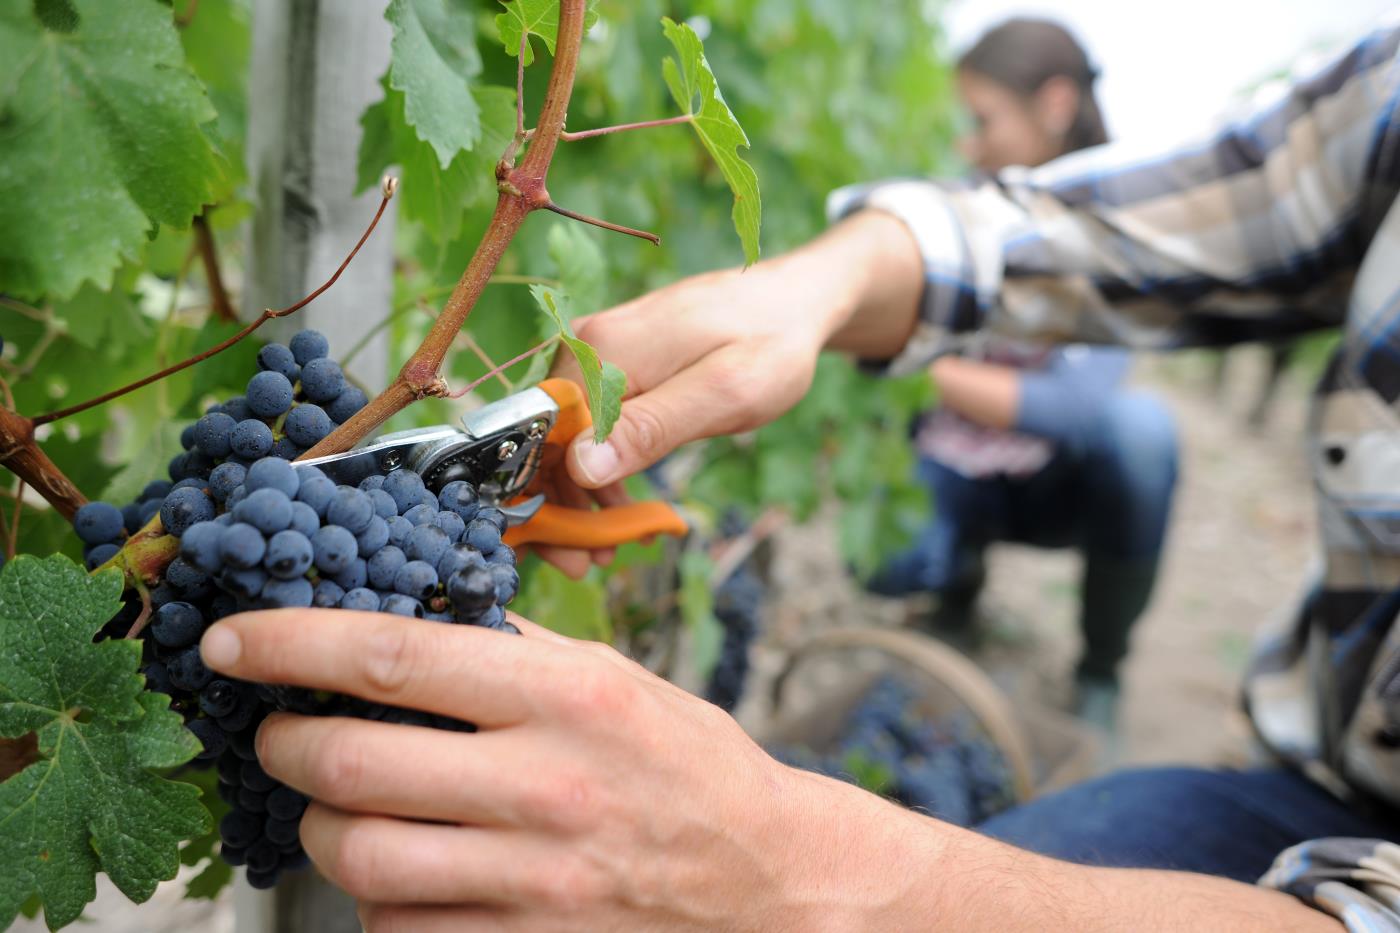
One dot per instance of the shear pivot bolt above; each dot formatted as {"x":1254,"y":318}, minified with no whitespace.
{"x":506,"y":450}
{"x":537,"y":429}
{"x":390,"y":460}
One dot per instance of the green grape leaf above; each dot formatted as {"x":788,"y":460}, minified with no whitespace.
{"x":536,"y":18}
{"x":91,"y":802}
{"x":581,"y":265}
{"x":95,"y":319}
{"x":688,"y":75}
{"x":603,"y":382}
{"x":431,"y":195}
{"x":102,"y":125}
{"x":697,"y":605}
{"x":433,"y":60}
{"x":147,"y":450}
{"x":203,"y":850}
{"x":217,"y":42}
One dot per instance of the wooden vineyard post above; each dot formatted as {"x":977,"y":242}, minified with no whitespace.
{"x":315,"y":68}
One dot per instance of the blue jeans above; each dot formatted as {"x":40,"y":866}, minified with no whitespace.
{"x":1109,"y":495}
{"x":1226,"y":823}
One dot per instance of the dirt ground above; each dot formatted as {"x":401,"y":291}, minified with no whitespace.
{"x":1241,"y":537}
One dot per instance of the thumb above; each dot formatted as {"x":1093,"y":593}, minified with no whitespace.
{"x":686,"y":407}
{"x":642,"y":436}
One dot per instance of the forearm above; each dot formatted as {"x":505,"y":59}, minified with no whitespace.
{"x":911,"y":872}
{"x":863,"y":279}
{"x":984,"y":393}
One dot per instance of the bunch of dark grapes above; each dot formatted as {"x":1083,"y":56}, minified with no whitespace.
{"x":738,"y":605}
{"x":946,"y":767}
{"x":298,"y":397}
{"x":257,"y":532}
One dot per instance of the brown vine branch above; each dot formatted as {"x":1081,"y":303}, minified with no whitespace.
{"x":622,"y":127}
{"x":389,"y":187}
{"x":522,"y":190}
{"x":208,"y":255}
{"x":476,"y":383}
{"x":605,"y":224}
{"x":22,"y":457}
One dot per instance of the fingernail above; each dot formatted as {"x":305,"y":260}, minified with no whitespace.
{"x":597,"y":462}
{"x":221,"y":647}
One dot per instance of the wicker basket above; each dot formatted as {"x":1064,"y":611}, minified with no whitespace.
{"x":827,"y":675}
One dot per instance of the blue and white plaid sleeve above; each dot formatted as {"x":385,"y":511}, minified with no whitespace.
{"x":1355,"y":880}
{"x":1255,"y":230}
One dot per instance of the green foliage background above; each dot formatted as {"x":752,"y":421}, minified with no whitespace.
{"x":828,"y":94}
{"x":123,"y":120}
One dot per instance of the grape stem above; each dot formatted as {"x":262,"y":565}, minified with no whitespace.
{"x":20,"y":453}
{"x":520,"y":84}
{"x":485,"y":357}
{"x":622,"y":127}
{"x":420,"y":300}
{"x":476,"y":383}
{"x":605,"y":224}
{"x":145,"y":615}
{"x":390,"y":185}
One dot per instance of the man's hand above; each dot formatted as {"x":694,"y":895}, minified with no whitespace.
{"x":594,"y":796}
{"x":727,"y":352}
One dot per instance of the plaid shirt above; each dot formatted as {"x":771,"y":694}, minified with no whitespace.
{"x":1279,"y":222}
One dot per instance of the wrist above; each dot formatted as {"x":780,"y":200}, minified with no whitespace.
{"x":849,"y":860}
{"x":852,"y":861}
{"x":883,"y":278}
{"x":850,"y":275}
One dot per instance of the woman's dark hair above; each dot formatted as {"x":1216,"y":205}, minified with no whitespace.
{"x":1022,"y":54}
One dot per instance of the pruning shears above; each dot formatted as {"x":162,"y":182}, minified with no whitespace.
{"x":509,"y":450}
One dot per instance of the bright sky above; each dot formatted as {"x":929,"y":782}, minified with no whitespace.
{"x":1169,"y":67}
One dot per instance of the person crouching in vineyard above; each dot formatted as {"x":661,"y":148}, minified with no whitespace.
{"x":595,"y":796}
{"x":1036,"y":445}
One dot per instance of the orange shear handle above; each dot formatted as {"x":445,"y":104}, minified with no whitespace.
{"x":561,"y":526}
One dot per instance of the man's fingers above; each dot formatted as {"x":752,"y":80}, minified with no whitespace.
{"x":472,"y":673}
{"x":617,"y":334}
{"x":705,"y":400}
{"x":385,"y":860}
{"x":360,"y":766}
{"x":572,"y":562}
